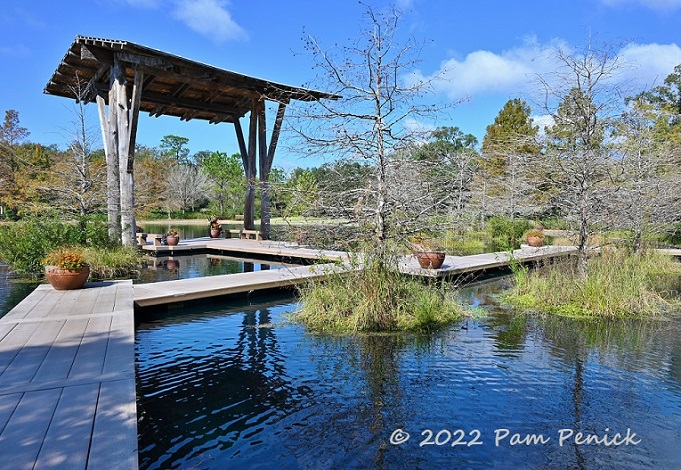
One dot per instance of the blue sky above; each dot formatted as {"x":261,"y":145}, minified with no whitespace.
{"x":490,"y":49}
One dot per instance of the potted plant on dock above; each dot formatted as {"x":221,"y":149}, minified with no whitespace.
{"x":535,"y":237}
{"x":66,"y":269}
{"x":427,"y":252}
{"x":172,"y":237}
{"x":215,"y":227}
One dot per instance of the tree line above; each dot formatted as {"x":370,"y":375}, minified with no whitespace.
{"x":603,"y":163}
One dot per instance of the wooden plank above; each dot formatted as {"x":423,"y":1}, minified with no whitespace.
{"x":89,"y":360}
{"x":23,"y":435}
{"x":59,"y":359}
{"x":120,"y":350}
{"x":29,"y":359}
{"x":67,"y":440}
{"x":56,"y":376}
{"x":13,"y":342}
{"x":26,"y":305}
{"x":114,"y":436}
{"x":181,"y":290}
{"x":8,"y":404}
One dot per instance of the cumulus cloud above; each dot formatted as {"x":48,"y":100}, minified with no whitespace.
{"x":511,"y":71}
{"x":515,"y":71}
{"x":209,"y":18}
{"x":650,"y":63}
{"x":659,"y":5}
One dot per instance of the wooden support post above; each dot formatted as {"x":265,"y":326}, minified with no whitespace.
{"x":266,"y":160}
{"x":113,"y":194}
{"x":123,"y":141}
{"x":249,"y":206}
{"x":119,"y":132}
{"x":264,"y":172}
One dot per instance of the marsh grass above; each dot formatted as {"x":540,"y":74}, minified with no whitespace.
{"x":618,"y":284}
{"x":109,"y":263}
{"x":376,"y":298}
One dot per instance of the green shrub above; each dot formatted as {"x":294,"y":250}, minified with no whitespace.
{"x":506,"y":233}
{"x":24,"y":244}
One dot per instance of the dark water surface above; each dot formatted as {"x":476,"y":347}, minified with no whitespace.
{"x":167,"y":268}
{"x":236,"y":386}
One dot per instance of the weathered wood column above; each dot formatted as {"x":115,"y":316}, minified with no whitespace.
{"x":119,"y":131}
{"x":266,"y":159}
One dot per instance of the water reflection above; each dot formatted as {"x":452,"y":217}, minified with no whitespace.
{"x":240,"y":387}
{"x":165,"y":268}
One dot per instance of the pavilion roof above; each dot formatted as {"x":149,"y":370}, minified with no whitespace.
{"x":172,"y":85}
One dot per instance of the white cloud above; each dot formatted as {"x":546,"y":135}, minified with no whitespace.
{"x":650,"y":63}
{"x":543,"y":121}
{"x":514,"y":72}
{"x":209,"y":18}
{"x":659,"y":5}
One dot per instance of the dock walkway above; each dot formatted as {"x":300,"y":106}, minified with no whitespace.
{"x":67,"y":379}
{"x":249,"y":247}
{"x":456,"y":265}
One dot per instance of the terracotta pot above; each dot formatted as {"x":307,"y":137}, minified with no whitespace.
{"x":535,"y":241}
{"x":65,"y":279}
{"x":430,"y":259}
{"x":172,"y":241}
{"x":172,"y":265}
{"x":215,"y":232}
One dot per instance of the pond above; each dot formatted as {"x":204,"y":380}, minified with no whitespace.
{"x":234,"y":385}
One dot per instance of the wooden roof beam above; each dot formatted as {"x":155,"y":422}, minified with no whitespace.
{"x":163,"y":99}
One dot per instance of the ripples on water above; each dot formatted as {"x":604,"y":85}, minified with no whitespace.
{"x":238,"y":387}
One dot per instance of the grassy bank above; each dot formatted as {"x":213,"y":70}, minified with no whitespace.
{"x":618,"y":284}
{"x":376,"y":299}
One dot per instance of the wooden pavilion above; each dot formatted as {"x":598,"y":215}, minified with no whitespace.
{"x":129,"y":78}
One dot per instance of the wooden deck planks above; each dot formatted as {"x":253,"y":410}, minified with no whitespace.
{"x":253,"y":247}
{"x":74,"y":412}
{"x":180,"y":290}
{"x":67,"y":383}
{"x":455,"y":265}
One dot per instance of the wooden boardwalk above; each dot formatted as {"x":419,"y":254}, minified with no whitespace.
{"x":457,"y":265}
{"x":180,"y":290}
{"x":277,"y":249}
{"x":168,"y":292}
{"x":67,"y":379}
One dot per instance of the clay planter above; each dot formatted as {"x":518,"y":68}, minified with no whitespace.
{"x":215,"y":232}
{"x":172,"y":241}
{"x":65,"y":279}
{"x":430,"y":259}
{"x":535,"y":241}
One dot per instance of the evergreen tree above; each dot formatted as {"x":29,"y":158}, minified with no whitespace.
{"x":511,"y":133}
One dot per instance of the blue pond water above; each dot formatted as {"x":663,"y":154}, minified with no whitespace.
{"x":236,"y":386}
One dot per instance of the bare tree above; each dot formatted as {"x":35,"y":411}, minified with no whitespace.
{"x":649,"y":198}
{"x":583,"y":97}
{"x":78,"y":180}
{"x":373,"y":122}
{"x":187,"y":187}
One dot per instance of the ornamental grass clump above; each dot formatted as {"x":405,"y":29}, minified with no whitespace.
{"x":617,"y":284}
{"x":373,"y":297}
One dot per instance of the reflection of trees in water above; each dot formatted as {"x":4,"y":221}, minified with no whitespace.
{"x":636,"y":346}
{"x":202,"y":400}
